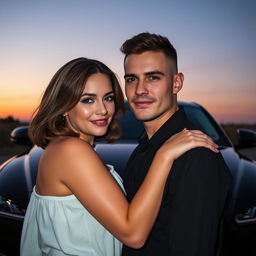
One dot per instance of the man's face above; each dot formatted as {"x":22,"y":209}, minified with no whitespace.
{"x":150,"y":86}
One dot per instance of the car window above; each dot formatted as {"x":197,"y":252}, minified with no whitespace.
{"x":204,"y":122}
{"x":199,"y":119}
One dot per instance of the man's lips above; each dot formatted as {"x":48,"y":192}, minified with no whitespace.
{"x":100,"y":122}
{"x":143,"y":103}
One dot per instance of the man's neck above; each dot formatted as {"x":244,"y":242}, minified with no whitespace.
{"x":153,"y":126}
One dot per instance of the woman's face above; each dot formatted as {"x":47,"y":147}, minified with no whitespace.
{"x":93,"y":113}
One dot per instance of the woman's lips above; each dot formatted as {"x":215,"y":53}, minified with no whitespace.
{"x":100,"y":122}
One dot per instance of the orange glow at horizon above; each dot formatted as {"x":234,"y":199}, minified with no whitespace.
{"x":21,"y":112}
{"x":21,"y":108}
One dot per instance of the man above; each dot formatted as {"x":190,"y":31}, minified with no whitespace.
{"x":188,"y":223}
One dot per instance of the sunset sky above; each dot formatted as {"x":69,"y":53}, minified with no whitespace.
{"x":215,"y":41}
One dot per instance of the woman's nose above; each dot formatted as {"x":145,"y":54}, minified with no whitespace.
{"x":101,"y":109}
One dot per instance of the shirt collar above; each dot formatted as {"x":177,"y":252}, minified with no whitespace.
{"x":172,"y":126}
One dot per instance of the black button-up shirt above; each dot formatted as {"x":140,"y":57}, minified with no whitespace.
{"x":195,"y":192}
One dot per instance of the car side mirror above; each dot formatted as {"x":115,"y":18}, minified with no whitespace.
{"x":20,"y":136}
{"x":246,"y":138}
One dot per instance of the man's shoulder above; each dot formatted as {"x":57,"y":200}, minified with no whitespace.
{"x":199,"y":153}
{"x":203,"y":160}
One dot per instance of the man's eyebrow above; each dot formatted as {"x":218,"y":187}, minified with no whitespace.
{"x":150,"y":73}
{"x":129,"y":75}
{"x":155,"y":72}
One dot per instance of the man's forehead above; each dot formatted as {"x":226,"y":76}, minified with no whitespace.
{"x":145,"y":56}
{"x":146,"y":62}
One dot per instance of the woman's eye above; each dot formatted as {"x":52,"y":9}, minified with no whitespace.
{"x":87,"y":100}
{"x":110,"y":98}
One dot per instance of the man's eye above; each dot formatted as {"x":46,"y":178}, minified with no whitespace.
{"x":130,"y":79}
{"x":153,"y":78}
{"x":87,"y":100}
{"x":110,"y":98}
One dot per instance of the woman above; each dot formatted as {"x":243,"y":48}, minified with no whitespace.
{"x":76,"y":207}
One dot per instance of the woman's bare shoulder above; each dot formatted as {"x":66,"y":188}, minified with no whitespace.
{"x":68,"y":148}
{"x":67,"y":144}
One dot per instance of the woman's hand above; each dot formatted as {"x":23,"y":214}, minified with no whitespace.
{"x":185,"y":140}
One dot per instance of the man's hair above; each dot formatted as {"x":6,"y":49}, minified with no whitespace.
{"x":150,"y":42}
{"x":63,"y":93}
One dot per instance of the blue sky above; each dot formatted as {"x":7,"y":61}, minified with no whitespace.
{"x":215,"y":41}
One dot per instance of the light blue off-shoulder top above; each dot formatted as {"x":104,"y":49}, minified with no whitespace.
{"x":57,"y":226}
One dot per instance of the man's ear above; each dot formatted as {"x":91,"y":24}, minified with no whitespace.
{"x":177,"y":82}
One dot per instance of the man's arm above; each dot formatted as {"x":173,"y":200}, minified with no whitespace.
{"x":198,"y":203}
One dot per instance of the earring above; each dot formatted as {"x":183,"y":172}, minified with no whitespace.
{"x":63,"y":117}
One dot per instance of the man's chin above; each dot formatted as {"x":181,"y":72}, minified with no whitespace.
{"x":144,"y":118}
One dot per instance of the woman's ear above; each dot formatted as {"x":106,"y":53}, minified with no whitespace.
{"x":177,"y":82}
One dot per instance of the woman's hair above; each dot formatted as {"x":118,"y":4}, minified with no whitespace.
{"x":63,"y":93}
{"x":150,"y":42}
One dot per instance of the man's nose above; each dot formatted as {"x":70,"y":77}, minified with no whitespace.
{"x":141,"y":88}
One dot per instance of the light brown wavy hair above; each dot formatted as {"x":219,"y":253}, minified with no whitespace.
{"x":63,"y":93}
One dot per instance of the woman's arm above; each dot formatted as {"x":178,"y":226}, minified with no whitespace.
{"x":85,"y":175}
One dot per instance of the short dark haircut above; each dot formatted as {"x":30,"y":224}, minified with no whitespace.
{"x":150,"y":42}
{"x":63,"y":93}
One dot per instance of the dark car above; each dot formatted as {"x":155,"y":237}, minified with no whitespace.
{"x":18,"y":175}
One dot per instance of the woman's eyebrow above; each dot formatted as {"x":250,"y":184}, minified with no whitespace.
{"x":111,"y":92}
{"x":94,"y":94}
{"x":88,"y":94}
